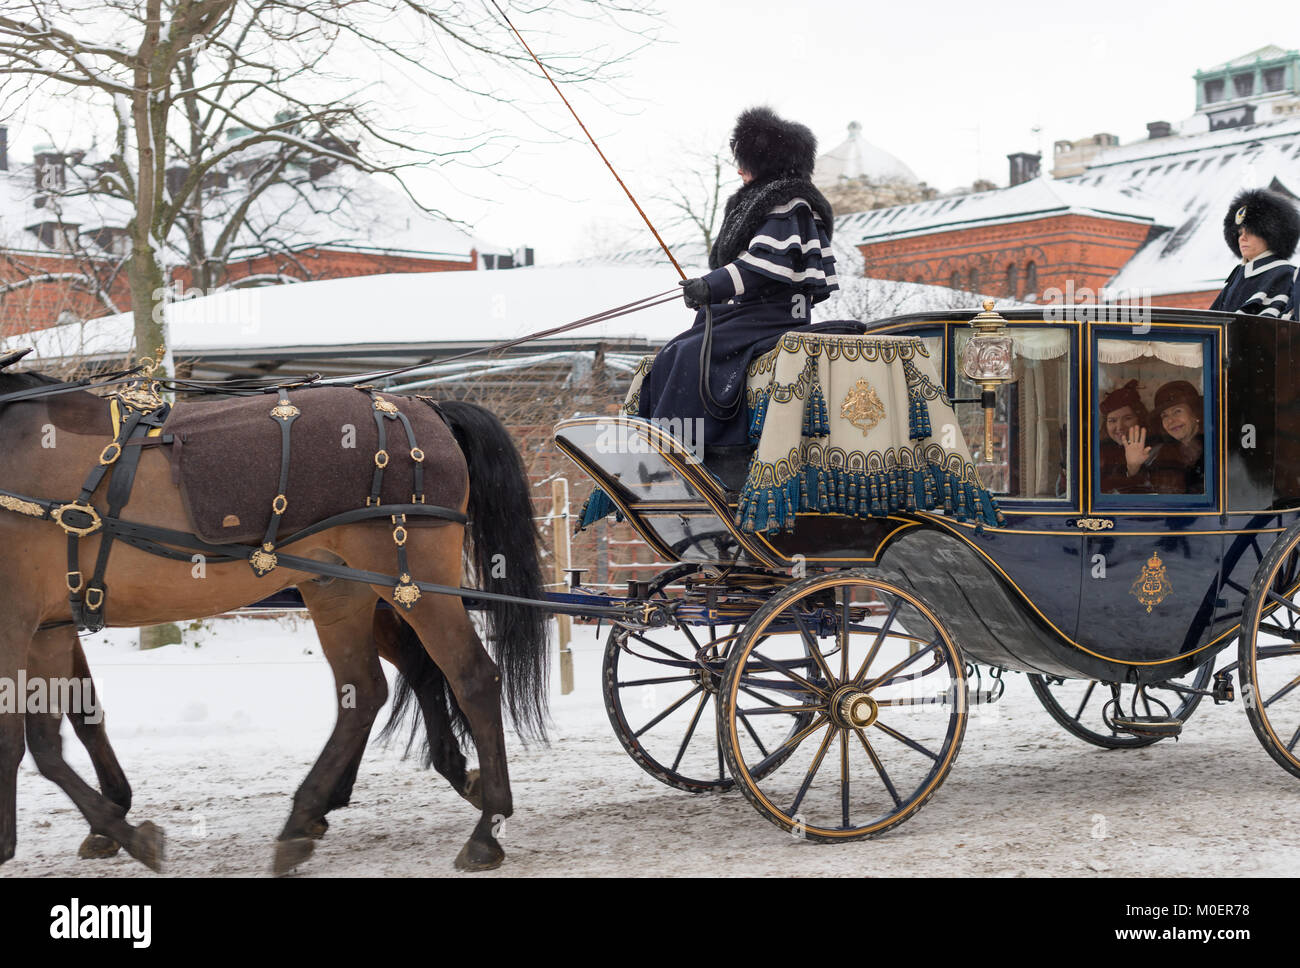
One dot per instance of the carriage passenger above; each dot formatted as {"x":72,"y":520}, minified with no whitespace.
{"x":1178,"y":464}
{"x":1123,"y":449}
{"x":1262,"y":229}
{"x":770,"y":263}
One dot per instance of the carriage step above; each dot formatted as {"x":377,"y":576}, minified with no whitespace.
{"x":1154,"y":727}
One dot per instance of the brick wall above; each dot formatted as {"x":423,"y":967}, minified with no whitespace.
{"x":1084,"y":250}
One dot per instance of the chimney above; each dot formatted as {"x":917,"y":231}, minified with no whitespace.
{"x":4,"y":148}
{"x":174,"y":179}
{"x":1024,"y":167}
{"x":524,"y":257}
{"x":1159,"y":129}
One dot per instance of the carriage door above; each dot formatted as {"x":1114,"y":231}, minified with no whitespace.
{"x":1153,"y":543}
{"x":1034,"y":473}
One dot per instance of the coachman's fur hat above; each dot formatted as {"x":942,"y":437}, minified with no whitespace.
{"x":1267,"y":214}
{"x":765,"y":145}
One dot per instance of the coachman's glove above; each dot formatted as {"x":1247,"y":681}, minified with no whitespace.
{"x":695,"y":292}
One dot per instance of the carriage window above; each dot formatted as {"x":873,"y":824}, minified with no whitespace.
{"x":1031,"y":420}
{"x":1151,"y":418}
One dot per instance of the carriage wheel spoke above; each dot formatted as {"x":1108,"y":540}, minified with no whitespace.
{"x":1283,"y":601}
{"x":667,"y":712}
{"x":844,"y":778}
{"x":1282,"y":692}
{"x":1295,"y":738}
{"x":843,"y":636}
{"x":686,"y":741}
{"x":625,"y":683}
{"x":744,"y":720}
{"x":787,"y":710}
{"x":759,"y":696}
{"x":777,"y":667}
{"x":915,"y":656}
{"x":690,"y":659}
{"x":880,"y":640}
{"x":812,"y":772}
{"x":790,"y":744}
{"x":1086,"y":696}
{"x":880,"y":767}
{"x":905,"y":740}
{"x":811,"y":645}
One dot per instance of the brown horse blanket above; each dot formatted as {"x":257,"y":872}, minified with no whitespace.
{"x":226,"y":458}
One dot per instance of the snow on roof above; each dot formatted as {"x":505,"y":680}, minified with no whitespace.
{"x":344,"y":209}
{"x":856,"y":158}
{"x":1195,"y":177}
{"x":424,"y":308}
{"x":1037,"y":198}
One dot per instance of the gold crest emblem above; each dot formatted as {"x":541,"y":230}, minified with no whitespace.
{"x":1241,"y":214}
{"x":284,"y":410}
{"x":385,"y":406}
{"x":406,"y":593}
{"x":1152,"y":586}
{"x":862,"y":407}
{"x":263,"y":560}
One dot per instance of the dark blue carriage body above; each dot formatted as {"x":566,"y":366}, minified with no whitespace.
{"x":1081,"y":581}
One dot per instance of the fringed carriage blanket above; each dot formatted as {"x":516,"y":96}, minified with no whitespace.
{"x":852,"y":425}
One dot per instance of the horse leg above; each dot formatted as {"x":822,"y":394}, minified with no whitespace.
{"x":444,"y":627}
{"x":50,"y":659}
{"x":398,"y":644}
{"x":342,"y":613}
{"x":88,"y":725}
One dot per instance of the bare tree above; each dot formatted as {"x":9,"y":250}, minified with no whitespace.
{"x":698,"y":194}
{"x":196,"y":88}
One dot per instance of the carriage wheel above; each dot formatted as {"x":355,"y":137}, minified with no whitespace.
{"x":1077,"y":704}
{"x":1269,"y":651}
{"x":661,"y":700}
{"x":884,"y":685}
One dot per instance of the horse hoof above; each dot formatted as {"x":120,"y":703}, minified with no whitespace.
{"x":479,"y":856}
{"x":315,"y":829}
{"x":98,"y":847}
{"x":290,"y":853}
{"x":148,"y":845}
{"x":473,"y":791}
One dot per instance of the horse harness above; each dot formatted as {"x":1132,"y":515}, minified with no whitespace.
{"x":139,"y":413}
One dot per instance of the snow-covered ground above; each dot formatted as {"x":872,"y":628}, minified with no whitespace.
{"x":215,"y":735}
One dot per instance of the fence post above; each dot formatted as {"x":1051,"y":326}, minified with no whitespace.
{"x":560,"y":537}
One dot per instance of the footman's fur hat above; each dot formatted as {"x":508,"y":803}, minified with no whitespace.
{"x":1267,"y":214}
{"x":765,"y":145}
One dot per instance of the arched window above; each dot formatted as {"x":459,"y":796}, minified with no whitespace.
{"x":973,"y":279}
{"x":1031,"y":279}
{"x":955,"y":281}
{"x":1013,"y":281}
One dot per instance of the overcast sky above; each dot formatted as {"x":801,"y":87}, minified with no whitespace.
{"x":948,"y":86}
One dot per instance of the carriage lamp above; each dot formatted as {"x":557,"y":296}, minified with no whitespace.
{"x":986,"y":360}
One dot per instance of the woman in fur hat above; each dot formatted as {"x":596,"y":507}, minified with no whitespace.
{"x":771,"y":262}
{"x":1124,"y":449}
{"x":1178,"y":465}
{"x":1262,"y":229}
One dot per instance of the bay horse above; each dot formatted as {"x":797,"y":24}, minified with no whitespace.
{"x":441,"y":660}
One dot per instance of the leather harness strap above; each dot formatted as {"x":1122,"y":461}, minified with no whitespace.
{"x":263,"y":560}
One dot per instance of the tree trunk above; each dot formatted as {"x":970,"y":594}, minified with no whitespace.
{"x":148,"y":297}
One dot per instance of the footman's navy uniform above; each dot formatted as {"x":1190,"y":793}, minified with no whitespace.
{"x":1265,"y":285}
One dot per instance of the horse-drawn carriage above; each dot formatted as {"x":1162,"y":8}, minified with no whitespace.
{"x":831,"y":615}
{"x":825,"y":659}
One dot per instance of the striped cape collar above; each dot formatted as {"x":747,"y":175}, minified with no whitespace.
{"x":1262,"y":263}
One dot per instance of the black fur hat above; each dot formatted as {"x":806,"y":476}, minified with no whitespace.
{"x":1267,"y":214}
{"x":765,"y":145}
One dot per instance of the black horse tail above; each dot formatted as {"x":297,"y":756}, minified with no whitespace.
{"x":506,"y":559}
